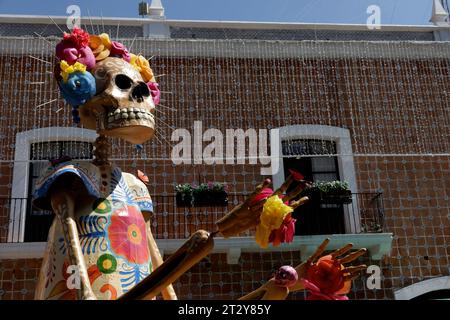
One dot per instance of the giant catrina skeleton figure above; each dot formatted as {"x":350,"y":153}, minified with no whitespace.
{"x":101,"y":229}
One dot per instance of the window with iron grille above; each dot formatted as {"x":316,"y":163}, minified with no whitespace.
{"x":37,"y":222}
{"x":316,"y":160}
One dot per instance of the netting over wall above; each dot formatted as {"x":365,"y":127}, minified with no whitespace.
{"x":392,"y":97}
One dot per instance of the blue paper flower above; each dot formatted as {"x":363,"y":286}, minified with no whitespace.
{"x":78,"y":89}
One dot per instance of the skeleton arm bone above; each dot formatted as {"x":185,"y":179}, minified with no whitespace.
{"x":168,"y":293}
{"x":63,"y":204}
{"x":198,"y":246}
{"x":268,"y":291}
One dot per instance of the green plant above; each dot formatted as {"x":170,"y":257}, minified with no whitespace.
{"x":185,"y":188}
{"x":329,"y":192}
{"x":331,"y":186}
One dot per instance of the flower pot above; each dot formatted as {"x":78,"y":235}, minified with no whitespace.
{"x":202,"y":199}
{"x":219,"y":198}
{"x":318,"y":197}
{"x":210,"y":198}
{"x":337,"y":197}
{"x":184,"y":200}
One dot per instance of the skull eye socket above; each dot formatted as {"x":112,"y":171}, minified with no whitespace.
{"x":123,"y":82}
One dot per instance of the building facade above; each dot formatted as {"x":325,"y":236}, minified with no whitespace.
{"x":335,"y":102}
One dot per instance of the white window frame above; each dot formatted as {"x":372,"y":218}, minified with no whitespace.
{"x":16,"y":230}
{"x":423,"y":287}
{"x":346,"y":165}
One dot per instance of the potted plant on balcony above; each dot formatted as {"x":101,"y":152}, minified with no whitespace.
{"x":333,"y":192}
{"x":201,"y":195}
{"x":210,"y":194}
{"x":218,"y":193}
{"x":184,"y":195}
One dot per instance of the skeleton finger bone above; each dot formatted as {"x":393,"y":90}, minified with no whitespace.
{"x":353,"y":256}
{"x":354,"y":269}
{"x":294,"y":193}
{"x":318,"y":252}
{"x":282,"y":189}
{"x":299,"y":202}
{"x":265,"y":184}
{"x":342,"y":250}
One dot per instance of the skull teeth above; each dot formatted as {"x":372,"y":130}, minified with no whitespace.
{"x":129,"y":113}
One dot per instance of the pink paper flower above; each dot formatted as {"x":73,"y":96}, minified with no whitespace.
{"x":317,"y":294}
{"x":118,"y":49}
{"x":73,"y":55}
{"x":155,"y":92}
{"x":284,"y":234}
{"x":75,"y":48}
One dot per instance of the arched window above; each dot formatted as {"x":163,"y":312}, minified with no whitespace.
{"x":435,"y":288}
{"x":33,"y":149}
{"x":320,"y":153}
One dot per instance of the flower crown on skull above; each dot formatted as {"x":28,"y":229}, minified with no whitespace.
{"x":78,"y":52}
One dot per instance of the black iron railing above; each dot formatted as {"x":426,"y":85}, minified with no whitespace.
{"x":20,"y":222}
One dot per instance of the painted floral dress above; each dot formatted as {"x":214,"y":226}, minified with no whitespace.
{"x":113,"y":233}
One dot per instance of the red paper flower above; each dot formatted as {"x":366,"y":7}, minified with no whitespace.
{"x":284,"y":234}
{"x":264,"y":194}
{"x":328,"y":277}
{"x":78,"y":38}
{"x":128,"y":236}
{"x":296,"y":175}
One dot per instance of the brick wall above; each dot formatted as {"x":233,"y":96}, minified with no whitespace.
{"x":394,"y":109}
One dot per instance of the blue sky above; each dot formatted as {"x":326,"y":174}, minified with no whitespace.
{"x":415,"y":12}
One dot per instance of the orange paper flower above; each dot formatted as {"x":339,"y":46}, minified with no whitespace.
{"x":143,"y":66}
{"x":100,"y":45}
{"x":328,"y":277}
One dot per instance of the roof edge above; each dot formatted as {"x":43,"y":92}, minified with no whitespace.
{"x":28,"y":19}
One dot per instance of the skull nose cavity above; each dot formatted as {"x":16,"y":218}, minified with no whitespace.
{"x":140,"y":92}
{"x":123,"y":81}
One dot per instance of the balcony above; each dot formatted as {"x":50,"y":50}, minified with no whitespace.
{"x":360,"y":222}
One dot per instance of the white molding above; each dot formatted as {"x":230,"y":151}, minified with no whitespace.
{"x":37,"y":19}
{"x":423,"y":287}
{"x":378,"y":245}
{"x":21,"y":168}
{"x":24,"y":250}
{"x":258,"y":49}
{"x":341,"y":137}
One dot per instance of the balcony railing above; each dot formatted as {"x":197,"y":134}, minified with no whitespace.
{"x":20,"y":222}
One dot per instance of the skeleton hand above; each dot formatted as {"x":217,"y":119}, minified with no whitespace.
{"x":351,"y":272}
{"x":271,"y":290}
{"x":246,"y":215}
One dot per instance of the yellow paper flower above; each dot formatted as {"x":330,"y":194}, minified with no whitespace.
{"x":100,"y":45}
{"x":143,"y":66}
{"x":272,"y":216}
{"x":67,"y":69}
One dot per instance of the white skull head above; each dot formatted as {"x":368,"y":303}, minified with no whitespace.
{"x":123,"y":106}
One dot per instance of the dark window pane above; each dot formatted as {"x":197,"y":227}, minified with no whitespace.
{"x":38,"y":222}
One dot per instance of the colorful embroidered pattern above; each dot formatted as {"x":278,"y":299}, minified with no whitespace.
{"x":92,"y":233}
{"x":128,"y":236}
{"x":107,"y":263}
